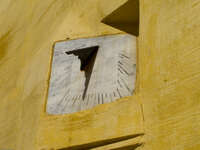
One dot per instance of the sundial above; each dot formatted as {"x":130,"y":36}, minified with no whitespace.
{"x":90,"y":71}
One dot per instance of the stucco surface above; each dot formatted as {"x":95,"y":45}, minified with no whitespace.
{"x":168,"y":79}
{"x":169,"y":52}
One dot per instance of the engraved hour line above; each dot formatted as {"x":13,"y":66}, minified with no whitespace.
{"x":124,"y":59}
{"x":66,"y":101}
{"x":123,"y":81}
{"x":119,"y":83}
{"x":129,"y":74}
{"x":124,"y":56}
{"x":119,"y":93}
{"x":87,"y":99}
{"x":127,"y":64}
{"x":95,"y":96}
{"x":111,"y":96}
{"x":120,"y":70}
{"x":64,"y":106}
{"x":92,"y":97}
{"x":120,"y":62}
{"x":63,"y":98}
{"x":124,"y":85}
{"x":102,"y":99}
{"x":127,"y":60}
{"x":98,"y":99}
{"x":70,"y":98}
{"x":124,"y":70}
{"x":129,"y":90}
{"x":123,"y":73}
{"x":114,"y":94}
{"x":101,"y":95}
{"x":76,"y":98}
{"x":73,"y":99}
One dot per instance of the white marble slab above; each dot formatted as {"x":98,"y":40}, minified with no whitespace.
{"x":112,"y":76}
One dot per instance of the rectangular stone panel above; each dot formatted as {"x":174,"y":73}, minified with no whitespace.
{"x":91,"y":71}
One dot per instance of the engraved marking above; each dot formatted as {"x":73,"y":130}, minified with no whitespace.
{"x":63,"y":98}
{"x":110,"y":96}
{"x":125,"y":64}
{"x":119,"y":84}
{"x":102,"y":98}
{"x":120,"y":62}
{"x":73,"y":99}
{"x":124,"y":70}
{"x":124,"y":56}
{"x":88,"y":98}
{"x":64,"y":106}
{"x":114,"y":94}
{"x":79,"y":96}
{"x":95,"y":96}
{"x":120,"y":70}
{"x":98,"y":99}
{"x":119,"y":93}
{"x":68,"y":99}
{"x":126,"y":86}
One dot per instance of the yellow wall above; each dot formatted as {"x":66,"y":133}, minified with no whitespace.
{"x":168,"y":79}
{"x":169,"y":74}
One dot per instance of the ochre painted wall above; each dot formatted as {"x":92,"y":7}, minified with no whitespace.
{"x":168,"y":78}
{"x":169,"y":72}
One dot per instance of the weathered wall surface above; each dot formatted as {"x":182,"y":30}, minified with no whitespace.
{"x":168,"y":74}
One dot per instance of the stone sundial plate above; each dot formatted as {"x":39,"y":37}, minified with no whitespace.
{"x":91,"y":71}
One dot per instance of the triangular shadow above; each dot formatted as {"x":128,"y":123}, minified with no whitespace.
{"x":125,"y":18}
{"x":87,"y":58}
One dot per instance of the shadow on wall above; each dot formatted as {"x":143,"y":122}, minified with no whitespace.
{"x":125,"y":18}
{"x":130,"y":147}
{"x":107,"y":142}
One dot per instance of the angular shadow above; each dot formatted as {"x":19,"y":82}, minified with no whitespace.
{"x":87,"y":57}
{"x":105,"y":142}
{"x":125,"y":18}
{"x":130,"y":147}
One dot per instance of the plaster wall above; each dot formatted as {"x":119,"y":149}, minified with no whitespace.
{"x":169,"y":73}
{"x":167,"y":86}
